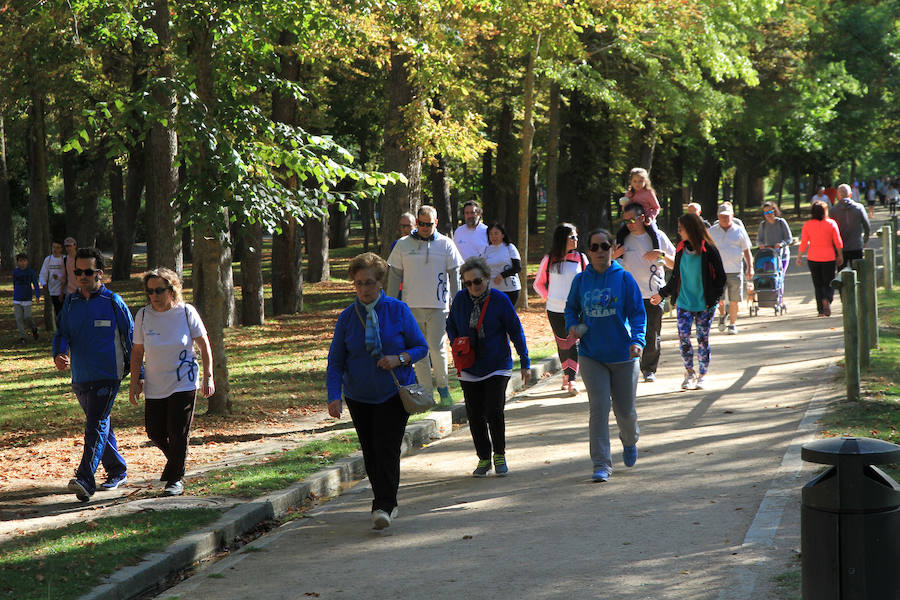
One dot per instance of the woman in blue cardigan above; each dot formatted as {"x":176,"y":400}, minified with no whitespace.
{"x":374,"y":335}
{"x":484,"y":383}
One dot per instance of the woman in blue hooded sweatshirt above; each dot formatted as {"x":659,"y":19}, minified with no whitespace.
{"x":605,"y":310}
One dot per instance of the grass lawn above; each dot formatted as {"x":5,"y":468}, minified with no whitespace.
{"x":66,"y":563}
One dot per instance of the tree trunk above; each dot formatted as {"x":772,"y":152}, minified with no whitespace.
{"x":117,"y":204}
{"x":797,"y":176}
{"x":741,"y":187}
{"x":69,"y":164}
{"x":780,"y":191}
{"x":440,"y":183}
{"x":7,"y":236}
{"x":488,"y":196}
{"x":338,"y":232}
{"x":211,"y":258}
{"x":648,"y":145}
{"x":706,"y":188}
{"x":90,"y":198}
{"x":161,"y":219}
{"x":287,"y":246}
{"x":317,"y":248}
{"x":126,"y":228}
{"x":505,"y":196}
{"x":525,"y":169}
{"x":38,"y":202}
{"x":533,"y":184}
{"x":552,"y":214}
{"x":401,"y":153}
{"x":852,"y":170}
{"x":287,"y":274}
{"x":253,"y":303}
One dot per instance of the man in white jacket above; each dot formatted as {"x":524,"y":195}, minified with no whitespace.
{"x":471,"y":237}
{"x":427,"y":264}
{"x":52,"y":277}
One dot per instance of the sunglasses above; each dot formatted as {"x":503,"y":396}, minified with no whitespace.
{"x":603,"y":245}
{"x":630,"y":221}
{"x":158,"y":290}
{"x":768,"y":212}
{"x":425,"y":224}
{"x":85,"y":272}
{"x":476,"y":282}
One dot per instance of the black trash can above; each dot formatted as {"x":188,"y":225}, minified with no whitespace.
{"x":850,"y":522}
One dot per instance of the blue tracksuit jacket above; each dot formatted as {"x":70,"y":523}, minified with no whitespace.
{"x":97,"y":333}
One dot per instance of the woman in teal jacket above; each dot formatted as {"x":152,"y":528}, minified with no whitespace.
{"x":605,"y":311}
{"x":484,"y":383}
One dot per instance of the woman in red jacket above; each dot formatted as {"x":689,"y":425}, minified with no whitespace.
{"x":823,"y":239}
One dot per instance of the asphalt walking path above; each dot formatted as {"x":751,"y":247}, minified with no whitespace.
{"x":710,"y":511}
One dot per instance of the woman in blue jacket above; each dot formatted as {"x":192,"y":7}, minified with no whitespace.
{"x":605,"y":310}
{"x":373,"y":336}
{"x":484,"y":383}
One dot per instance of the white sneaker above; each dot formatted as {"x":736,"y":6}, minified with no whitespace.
{"x":380,"y":519}
{"x":722,"y":322}
{"x":700,"y":384}
{"x":173,"y":488}
{"x":690,"y":382}
{"x":732,"y":329}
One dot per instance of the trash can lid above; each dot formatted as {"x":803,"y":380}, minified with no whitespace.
{"x":831,"y":451}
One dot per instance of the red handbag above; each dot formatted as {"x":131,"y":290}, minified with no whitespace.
{"x":463,"y":351}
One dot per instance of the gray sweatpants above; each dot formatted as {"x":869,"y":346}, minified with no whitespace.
{"x":608,"y":384}
{"x":24,"y":320}
{"x":431,"y":371}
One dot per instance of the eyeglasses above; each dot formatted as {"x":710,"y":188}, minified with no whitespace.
{"x":604,"y":245}
{"x":425,"y":224}
{"x":476,"y":282}
{"x":768,"y":212}
{"x":158,"y":290}
{"x":573,"y":237}
{"x":631,"y":221}
{"x":85,"y":272}
{"x":367,"y":283}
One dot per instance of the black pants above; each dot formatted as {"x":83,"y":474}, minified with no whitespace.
{"x":380,"y":428}
{"x":850,"y":255}
{"x":485,"y":401}
{"x":168,"y":424}
{"x":822,"y":274}
{"x":623,"y":231}
{"x":513,"y":296}
{"x":650,"y":357}
{"x":568,"y":354}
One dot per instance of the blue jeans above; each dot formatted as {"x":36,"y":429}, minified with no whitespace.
{"x":96,"y":399}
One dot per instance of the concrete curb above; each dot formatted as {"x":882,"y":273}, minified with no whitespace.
{"x":132,"y":581}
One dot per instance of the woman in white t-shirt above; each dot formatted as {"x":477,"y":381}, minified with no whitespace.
{"x":554,"y":278}
{"x":505,"y":263}
{"x":165,"y":332}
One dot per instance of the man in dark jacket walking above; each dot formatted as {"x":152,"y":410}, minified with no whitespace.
{"x":852,"y":222}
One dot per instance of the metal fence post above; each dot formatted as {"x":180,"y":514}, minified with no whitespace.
{"x":871,"y":296}
{"x":887,"y":252}
{"x":849,"y":299}
{"x":862,"y":320}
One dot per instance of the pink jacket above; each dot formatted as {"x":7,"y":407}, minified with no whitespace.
{"x":647,"y":199}
{"x":821,"y":237}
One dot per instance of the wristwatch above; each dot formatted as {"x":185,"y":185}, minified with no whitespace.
{"x":402,"y":361}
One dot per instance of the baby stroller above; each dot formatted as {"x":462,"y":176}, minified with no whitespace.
{"x":768,"y":282}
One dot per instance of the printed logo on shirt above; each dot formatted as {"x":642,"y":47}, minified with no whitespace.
{"x":102,"y":323}
{"x":599,"y":303}
{"x":152,"y":332}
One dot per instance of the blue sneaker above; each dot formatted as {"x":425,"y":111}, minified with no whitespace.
{"x":444,"y":393}
{"x":601,"y":474}
{"x":629,"y":455}
{"x":114,"y":481}
{"x":80,"y":490}
{"x":500,"y":468}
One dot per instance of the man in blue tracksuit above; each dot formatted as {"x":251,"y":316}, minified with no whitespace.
{"x":94,"y":338}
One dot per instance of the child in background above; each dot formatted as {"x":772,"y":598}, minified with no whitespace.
{"x":640,"y":191}
{"x":24,"y":279}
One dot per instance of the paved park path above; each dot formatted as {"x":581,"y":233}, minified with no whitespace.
{"x":710,"y":511}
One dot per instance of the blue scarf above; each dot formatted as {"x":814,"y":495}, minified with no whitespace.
{"x":373,"y":332}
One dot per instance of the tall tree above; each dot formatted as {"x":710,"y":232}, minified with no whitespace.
{"x":7,"y":239}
